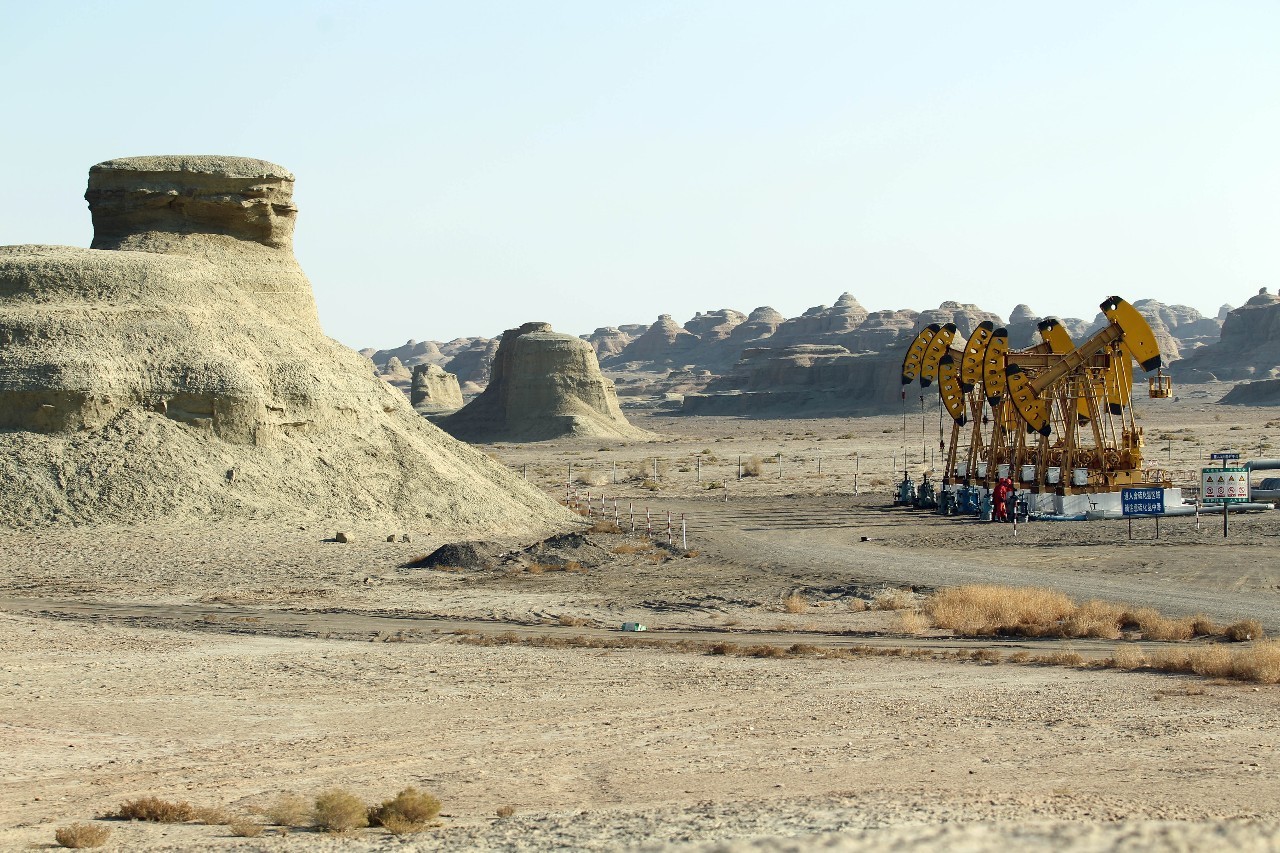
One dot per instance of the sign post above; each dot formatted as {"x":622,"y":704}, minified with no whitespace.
{"x":1224,"y":485}
{"x":1142,"y":502}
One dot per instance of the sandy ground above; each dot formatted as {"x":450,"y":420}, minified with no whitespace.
{"x":221,"y":666}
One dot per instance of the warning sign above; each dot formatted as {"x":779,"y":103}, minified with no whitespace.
{"x":1224,"y":485}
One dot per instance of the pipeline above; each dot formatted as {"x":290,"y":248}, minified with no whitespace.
{"x":1188,"y":509}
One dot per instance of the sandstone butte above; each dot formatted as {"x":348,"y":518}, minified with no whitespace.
{"x":177,"y":370}
{"x":543,"y":385}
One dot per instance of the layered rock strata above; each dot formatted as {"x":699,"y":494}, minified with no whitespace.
{"x":177,"y":370}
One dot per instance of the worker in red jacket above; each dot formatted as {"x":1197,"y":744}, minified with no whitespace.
{"x":998,"y":499}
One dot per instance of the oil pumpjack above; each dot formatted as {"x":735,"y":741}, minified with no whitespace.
{"x":1056,"y":418}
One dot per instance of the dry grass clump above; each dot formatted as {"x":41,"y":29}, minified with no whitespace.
{"x":1259,"y":662}
{"x":505,"y":811}
{"x":894,"y":599}
{"x":1154,"y":626}
{"x":1127,"y":657}
{"x":752,"y":466}
{"x":337,"y":810}
{"x":1100,"y":619}
{"x":1245,"y":629}
{"x":722,"y":649}
{"x":212,"y":815}
{"x":409,"y":811}
{"x":982,"y":610}
{"x":1061,"y":658}
{"x":629,"y":548}
{"x":79,"y":836}
{"x":288,"y":809}
{"x":795,"y":603}
{"x":857,"y":605}
{"x":573,"y":621}
{"x":245,"y":828}
{"x":604,"y":527}
{"x":911,"y":622}
{"x":156,"y":810}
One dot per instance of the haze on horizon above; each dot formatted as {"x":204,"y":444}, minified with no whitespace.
{"x":463,"y":168}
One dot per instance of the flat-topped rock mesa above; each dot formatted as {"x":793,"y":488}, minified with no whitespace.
{"x":433,"y":389}
{"x":177,"y":370}
{"x":1248,"y":347}
{"x":543,"y":385}
{"x":805,"y":379}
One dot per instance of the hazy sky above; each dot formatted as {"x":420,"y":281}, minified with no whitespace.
{"x":467,"y":166}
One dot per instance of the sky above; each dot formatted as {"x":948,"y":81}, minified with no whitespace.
{"x":466,"y":167}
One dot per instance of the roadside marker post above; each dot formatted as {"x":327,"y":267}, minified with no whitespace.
{"x":684,"y":533}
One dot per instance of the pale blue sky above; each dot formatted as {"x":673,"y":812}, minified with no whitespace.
{"x":467,"y":166}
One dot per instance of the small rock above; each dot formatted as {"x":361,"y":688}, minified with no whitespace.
{"x":342,"y":536}
{"x":404,"y":537}
{"x":391,"y":538}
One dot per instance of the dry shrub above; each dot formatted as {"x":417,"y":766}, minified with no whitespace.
{"x":78,"y":836}
{"x":1019,"y":657}
{"x":1203,"y":626}
{"x":288,"y":809}
{"x":245,"y":828}
{"x":1128,"y":657}
{"x":752,"y":466}
{"x":986,"y":656}
{"x":535,"y":568}
{"x":628,"y":548}
{"x":156,"y":810}
{"x":979,"y":609}
{"x":1155,"y":626}
{"x":337,"y":810}
{"x":1100,"y":619}
{"x":894,"y":599}
{"x":573,"y":621}
{"x":911,"y":622}
{"x":795,"y":603}
{"x":212,"y":815}
{"x":1213,"y":661}
{"x":573,"y":566}
{"x":409,"y":811}
{"x":803,"y":650}
{"x":1245,"y":629}
{"x":1170,"y":660}
{"x":604,"y":527}
{"x":1259,"y":662}
{"x":690,"y":554}
{"x":857,"y":605}
{"x":722,"y":649}
{"x":1062,"y":658}
{"x":505,"y":811}
{"x":765,"y":652}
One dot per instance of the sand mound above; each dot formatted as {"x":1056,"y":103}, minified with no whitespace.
{"x":177,"y":369}
{"x":543,"y":385}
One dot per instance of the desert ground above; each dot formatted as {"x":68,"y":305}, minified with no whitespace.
{"x":226,"y":665}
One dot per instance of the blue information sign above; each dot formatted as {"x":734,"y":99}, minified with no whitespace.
{"x":1142,"y":501}
{"x":1224,"y":456}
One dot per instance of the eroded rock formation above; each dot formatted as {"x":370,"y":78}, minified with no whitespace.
{"x":1249,"y":346}
{"x":434,"y":390}
{"x":177,"y":369}
{"x":543,"y":385}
